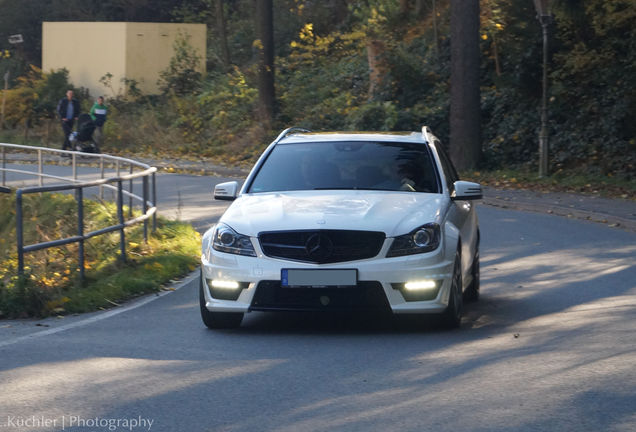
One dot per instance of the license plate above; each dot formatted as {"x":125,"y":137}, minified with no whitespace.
{"x":318,"y":278}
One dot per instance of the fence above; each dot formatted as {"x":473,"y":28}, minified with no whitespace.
{"x":17,"y":153}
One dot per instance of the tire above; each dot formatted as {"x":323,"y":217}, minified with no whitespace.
{"x":452,"y":316}
{"x":472,"y":292}
{"x":217,"y":320}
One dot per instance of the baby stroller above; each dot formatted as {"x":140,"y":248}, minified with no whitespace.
{"x":82,"y":140}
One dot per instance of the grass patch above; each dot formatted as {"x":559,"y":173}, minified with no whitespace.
{"x":561,"y":181}
{"x":51,"y":285}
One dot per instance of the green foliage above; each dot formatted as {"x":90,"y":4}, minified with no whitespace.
{"x":511,"y":124}
{"x":224,"y":108}
{"x":599,"y":133}
{"x":10,"y":64}
{"x":52,"y":88}
{"x":322,"y":80}
{"x":182,"y":76}
{"x":130,"y":88}
{"x":35,"y":96}
{"x":380,"y":116}
{"x":591,"y":87}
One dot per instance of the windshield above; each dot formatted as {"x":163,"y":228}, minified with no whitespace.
{"x":386,"y":166}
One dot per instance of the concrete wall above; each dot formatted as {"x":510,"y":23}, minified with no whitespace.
{"x":88,"y":50}
{"x":150,"y":48}
{"x":138,"y":51}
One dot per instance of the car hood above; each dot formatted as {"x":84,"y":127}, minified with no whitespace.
{"x":394,"y":213}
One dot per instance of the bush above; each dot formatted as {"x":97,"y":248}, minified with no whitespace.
{"x":182,"y":77}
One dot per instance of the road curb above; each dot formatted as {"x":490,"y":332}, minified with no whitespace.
{"x":92,"y":317}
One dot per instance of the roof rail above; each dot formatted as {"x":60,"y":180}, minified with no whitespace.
{"x":427,"y":133}
{"x":288,"y":131}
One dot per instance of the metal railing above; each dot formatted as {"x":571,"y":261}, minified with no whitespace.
{"x":116,"y":183}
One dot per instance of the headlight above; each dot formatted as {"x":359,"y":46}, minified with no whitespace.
{"x":205,"y":243}
{"x":225,"y":239}
{"x":423,"y":239}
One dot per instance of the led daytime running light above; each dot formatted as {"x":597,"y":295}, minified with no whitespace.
{"x":420,"y":285}
{"x":223,"y":284}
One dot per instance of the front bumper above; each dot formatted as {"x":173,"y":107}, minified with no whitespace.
{"x":380,"y":284}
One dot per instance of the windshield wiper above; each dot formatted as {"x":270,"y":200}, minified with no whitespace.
{"x":355,"y":188}
{"x":334,"y":188}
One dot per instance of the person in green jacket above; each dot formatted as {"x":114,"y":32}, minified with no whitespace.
{"x":98,"y":114}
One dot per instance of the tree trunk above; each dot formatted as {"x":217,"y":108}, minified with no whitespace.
{"x":47,"y":136}
{"x":419,"y":8}
{"x":222,"y":32}
{"x":465,"y":118}
{"x":404,"y":7}
{"x":495,"y":53}
{"x":377,"y":66}
{"x":339,"y":11}
{"x":26,"y":130}
{"x":266,"y":91}
{"x":4,"y":98}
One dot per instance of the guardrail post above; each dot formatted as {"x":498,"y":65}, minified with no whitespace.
{"x":101,"y":170}
{"x":120,"y":217}
{"x":130,"y":189}
{"x":79,"y":196}
{"x":117,"y":169}
{"x":19,"y":232}
{"x":154,"y":203}
{"x":145,"y":206}
{"x":4,"y":166}
{"x":40,"y":168}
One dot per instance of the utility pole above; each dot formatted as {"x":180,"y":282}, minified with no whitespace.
{"x":544,"y":17}
{"x":15,"y":39}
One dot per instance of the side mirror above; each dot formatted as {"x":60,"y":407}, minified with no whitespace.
{"x":466,"y":191}
{"x":226,"y":191}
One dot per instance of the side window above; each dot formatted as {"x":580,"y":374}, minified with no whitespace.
{"x":449,"y":170}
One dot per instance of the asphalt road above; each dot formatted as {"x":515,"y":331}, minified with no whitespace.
{"x":551,"y":346}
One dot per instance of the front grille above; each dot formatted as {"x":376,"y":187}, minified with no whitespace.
{"x":271,"y":296}
{"x":321,"y":246}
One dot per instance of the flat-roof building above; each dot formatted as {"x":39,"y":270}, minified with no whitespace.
{"x":132,"y":50}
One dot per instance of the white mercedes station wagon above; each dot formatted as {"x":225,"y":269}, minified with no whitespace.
{"x":341,"y":222}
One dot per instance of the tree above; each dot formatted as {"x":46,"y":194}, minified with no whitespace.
{"x":265,"y":46}
{"x":182,"y":76}
{"x":465,"y":118}
{"x":222,"y":31}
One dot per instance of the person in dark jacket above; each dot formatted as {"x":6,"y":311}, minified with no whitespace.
{"x":68,"y":109}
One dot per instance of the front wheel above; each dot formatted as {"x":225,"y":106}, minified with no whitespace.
{"x":472,"y":292}
{"x":93,"y":147}
{"x":217,"y":320}
{"x":452,"y":316}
